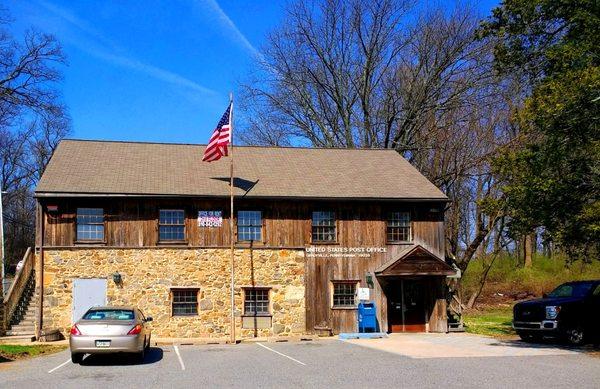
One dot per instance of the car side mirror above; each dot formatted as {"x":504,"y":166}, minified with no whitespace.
{"x":149,"y":318}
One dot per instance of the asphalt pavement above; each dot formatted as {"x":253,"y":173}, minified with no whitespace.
{"x":323,"y":363}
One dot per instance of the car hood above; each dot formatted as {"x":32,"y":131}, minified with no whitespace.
{"x":550,"y":301}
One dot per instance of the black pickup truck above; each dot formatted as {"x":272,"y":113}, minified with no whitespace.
{"x":570,"y":312}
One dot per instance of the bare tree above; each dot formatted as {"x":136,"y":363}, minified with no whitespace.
{"x":324,"y":74}
{"x":380,"y":74}
{"x":32,"y":122}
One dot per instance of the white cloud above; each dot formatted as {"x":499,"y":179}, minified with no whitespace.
{"x":96,"y":44}
{"x":150,"y":70}
{"x":225,"y":21}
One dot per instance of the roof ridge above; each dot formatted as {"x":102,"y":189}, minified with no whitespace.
{"x":244,"y":146}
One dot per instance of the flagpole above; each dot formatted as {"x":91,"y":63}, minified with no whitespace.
{"x":231,"y":234}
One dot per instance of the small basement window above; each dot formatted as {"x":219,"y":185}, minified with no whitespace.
{"x":323,"y":226}
{"x":90,"y":224}
{"x":171,"y":225}
{"x":249,"y":226}
{"x":344,"y":294}
{"x":398,"y":227}
{"x":184,"y":302}
{"x":256,"y":302}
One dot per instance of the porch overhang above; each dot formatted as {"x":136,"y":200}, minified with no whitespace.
{"x":414,"y":260}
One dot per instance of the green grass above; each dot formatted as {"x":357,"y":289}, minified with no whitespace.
{"x":509,"y":281}
{"x":508,"y":276}
{"x":492,"y":322}
{"x":15,"y":351}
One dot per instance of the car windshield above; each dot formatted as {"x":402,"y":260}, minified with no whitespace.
{"x":108,"y":314}
{"x":571,"y":290}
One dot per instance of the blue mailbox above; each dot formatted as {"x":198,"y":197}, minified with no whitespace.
{"x":367,"y":319}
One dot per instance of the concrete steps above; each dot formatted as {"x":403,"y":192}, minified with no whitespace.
{"x":25,"y":328}
{"x":17,"y":339}
{"x":13,"y":333}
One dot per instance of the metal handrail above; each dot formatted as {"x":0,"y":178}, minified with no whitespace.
{"x":13,"y":296}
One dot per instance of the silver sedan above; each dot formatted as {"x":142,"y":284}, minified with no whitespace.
{"x":104,"y":330}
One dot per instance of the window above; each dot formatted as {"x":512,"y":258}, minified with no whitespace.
{"x":344,"y":294}
{"x":572,"y":289}
{"x":108,"y":314}
{"x":185,"y":302}
{"x":323,"y":226}
{"x":90,"y":224}
{"x":398,"y":227}
{"x":249,"y":225}
{"x":256,"y":302}
{"x":171,"y":225}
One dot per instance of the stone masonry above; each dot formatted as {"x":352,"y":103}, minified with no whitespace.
{"x":148,"y":275}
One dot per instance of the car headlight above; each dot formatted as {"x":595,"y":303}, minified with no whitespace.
{"x":552,"y":311}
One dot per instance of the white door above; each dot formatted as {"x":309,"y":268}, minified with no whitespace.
{"x":87,"y":293}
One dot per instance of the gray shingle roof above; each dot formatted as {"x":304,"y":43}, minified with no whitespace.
{"x":130,"y":168}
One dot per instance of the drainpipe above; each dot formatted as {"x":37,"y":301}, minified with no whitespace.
{"x":40,"y":272}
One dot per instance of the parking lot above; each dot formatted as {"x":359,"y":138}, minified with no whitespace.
{"x":323,"y":363}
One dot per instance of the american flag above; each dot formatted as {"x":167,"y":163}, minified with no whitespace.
{"x":221,"y":137}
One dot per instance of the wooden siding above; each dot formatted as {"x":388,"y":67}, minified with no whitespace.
{"x":133,"y":222}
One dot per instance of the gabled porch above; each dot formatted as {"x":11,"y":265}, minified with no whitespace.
{"x":414,"y":284}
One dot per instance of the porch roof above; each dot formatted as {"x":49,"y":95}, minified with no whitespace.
{"x":415,"y":260}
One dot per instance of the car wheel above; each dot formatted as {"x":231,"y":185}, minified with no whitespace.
{"x":76,"y":357}
{"x":575,"y":336}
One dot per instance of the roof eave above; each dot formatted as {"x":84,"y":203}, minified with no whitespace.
{"x":48,"y":194}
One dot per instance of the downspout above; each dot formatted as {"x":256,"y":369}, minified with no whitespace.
{"x":40,"y":271}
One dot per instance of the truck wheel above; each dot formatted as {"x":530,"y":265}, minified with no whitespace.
{"x":575,"y":336}
{"x":76,"y":357}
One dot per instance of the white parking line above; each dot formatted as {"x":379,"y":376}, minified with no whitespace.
{"x":179,"y":356}
{"x":283,"y":355}
{"x":59,"y":366}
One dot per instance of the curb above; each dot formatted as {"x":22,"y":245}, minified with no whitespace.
{"x":223,"y":341}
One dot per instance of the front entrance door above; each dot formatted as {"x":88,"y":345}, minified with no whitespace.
{"x":406,"y":306}
{"x":87,"y":293}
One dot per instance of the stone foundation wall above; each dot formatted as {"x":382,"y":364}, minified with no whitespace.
{"x":149,"y":274}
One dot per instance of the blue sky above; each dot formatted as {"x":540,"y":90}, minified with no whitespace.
{"x":152,"y":70}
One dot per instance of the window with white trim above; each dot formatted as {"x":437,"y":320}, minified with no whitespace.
{"x":90,"y":224}
{"x":171,"y":225}
{"x":249,"y":226}
{"x":398,"y":227}
{"x":256,"y":302}
{"x":344,"y":294}
{"x":323,"y":226}
{"x":184,"y":302}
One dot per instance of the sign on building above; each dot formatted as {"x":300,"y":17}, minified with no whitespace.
{"x":363,"y":293}
{"x":210,"y":218}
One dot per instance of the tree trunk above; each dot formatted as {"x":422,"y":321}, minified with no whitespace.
{"x":527,"y":246}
